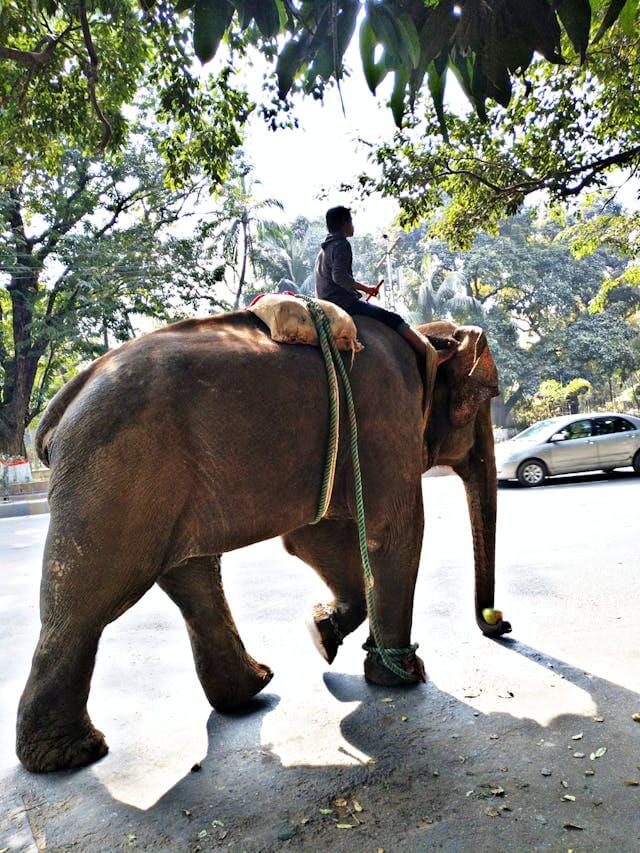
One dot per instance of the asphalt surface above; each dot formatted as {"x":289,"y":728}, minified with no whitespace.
{"x":494,"y":753}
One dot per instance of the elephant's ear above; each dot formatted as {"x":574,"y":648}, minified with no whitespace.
{"x":472,"y":373}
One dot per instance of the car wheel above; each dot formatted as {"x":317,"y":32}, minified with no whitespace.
{"x":636,"y":462}
{"x":531,"y":473}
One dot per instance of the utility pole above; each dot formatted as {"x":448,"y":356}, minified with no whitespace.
{"x":387,"y":295}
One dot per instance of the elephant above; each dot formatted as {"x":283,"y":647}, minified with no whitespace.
{"x":206,"y":436}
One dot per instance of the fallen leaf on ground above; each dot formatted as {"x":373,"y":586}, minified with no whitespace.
{"x":388,"y":699}
{"x":340,"y":803}
{"x":578,"y":736}
{"x":569,"y":798}
{"x":404,"y":718}
{"x":305,"y":821}
{"x":202,"y":833}
{"x":573,"y":826}
{"x":344,"y":826}
{"x":222,"y":835}
{"x":286,"y":833}
{"x":217,"y":823}
{"x":357,"y":807}
{"x":186,"y":812}
{"x":325,"y":811}
{"x":636,"y":717}
{"x":578,"y":754}
{"x":498,"y":791}
{"x":633,"y":783}
{"x":131,"y":836}
{"x":491,"y":811}
{"x":564,"y":783}
{"x":600,"y":751}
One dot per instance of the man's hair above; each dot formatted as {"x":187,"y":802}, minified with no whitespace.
{"x":336,"y":217}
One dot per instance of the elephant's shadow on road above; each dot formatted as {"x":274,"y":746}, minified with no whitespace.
{"x":416,"y":741}
{"x":427,"y":748}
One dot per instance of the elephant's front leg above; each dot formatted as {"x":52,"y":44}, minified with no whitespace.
{"x":228,"y":674}
{"x":394,"y":543}
{"x":331,"y":548}
{"x":394,"y":553}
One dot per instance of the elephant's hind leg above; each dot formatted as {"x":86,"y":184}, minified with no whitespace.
{"x":331,"y":548}
{"x":229,"y":676}
{"x":54,"y":731}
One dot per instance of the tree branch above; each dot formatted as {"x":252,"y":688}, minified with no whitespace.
{"x":91,"y":73}
{"x":39,"y":400}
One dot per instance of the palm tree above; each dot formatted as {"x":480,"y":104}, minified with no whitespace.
{"x":450,"y":297}
{"x":241,"y":215}
{"x":283,"y":256}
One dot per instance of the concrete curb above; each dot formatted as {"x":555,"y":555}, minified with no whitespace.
{"x":16,"y":509}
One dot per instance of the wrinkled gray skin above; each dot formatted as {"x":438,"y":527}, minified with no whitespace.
{"x":207,"y":436}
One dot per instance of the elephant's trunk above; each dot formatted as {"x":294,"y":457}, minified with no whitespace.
{"x":479,"y":475}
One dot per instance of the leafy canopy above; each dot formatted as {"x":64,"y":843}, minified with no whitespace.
{"x":564,"y":131}
{"x":67,"y":70}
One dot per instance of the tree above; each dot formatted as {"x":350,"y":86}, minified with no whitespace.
{"x":73,"y":67}
{"x":240,"y":216}
{"x":285,"y":255}
{"x":563,"y":132}
{"x":82,"y":255}
{"x":67,"y":71}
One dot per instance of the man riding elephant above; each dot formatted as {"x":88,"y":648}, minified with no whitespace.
{"x":207,"y":436}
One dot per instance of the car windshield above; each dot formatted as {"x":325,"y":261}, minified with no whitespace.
{"x":535,"y":430}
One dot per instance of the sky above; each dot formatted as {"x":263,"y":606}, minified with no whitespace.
{"x":296,"y":165}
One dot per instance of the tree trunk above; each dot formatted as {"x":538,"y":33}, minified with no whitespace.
{"x":11,"y":434}
{"x":243,"y":269}
{"x":19,"y":369}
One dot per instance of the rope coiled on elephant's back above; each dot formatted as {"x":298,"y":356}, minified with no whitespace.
{"x":333,"y":360}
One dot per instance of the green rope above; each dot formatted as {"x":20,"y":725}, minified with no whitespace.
{"x":333,"y":359}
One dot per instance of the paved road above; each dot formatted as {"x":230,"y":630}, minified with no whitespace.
{"x":456,"y":765}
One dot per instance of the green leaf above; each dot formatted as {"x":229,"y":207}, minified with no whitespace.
{"x":292,"y":58}
{"x":398,"y":95}
{"x":267,"y":14}
{"x":245,"y":13}
{"x":628,"y":18}
{"x":610,"y":17}
{"x":210,"y":20}
{"x":374,"y":72}
{"x":575,"y":16}
{"x":410,"y":36}
{"x":385,"y":27}
{"x":437,"y":79}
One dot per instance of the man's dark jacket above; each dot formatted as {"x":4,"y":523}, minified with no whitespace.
{"x":334,"y":273}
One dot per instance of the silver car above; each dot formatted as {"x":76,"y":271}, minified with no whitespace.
{"x":568,"y":444}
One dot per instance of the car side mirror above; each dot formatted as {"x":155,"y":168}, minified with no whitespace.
{"x":558,"y":436}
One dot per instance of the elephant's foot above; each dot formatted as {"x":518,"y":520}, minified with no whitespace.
{"x":239,"y":686}
{"x":491,"y":623}
{"x":377,"y":673}
{"x":44,"y":751}
{"x":325,"y":632}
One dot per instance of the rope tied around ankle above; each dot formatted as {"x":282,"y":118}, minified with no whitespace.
{"x":333,"y":360}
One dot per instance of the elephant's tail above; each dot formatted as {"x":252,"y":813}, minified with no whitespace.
{"x":56,"y":409}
